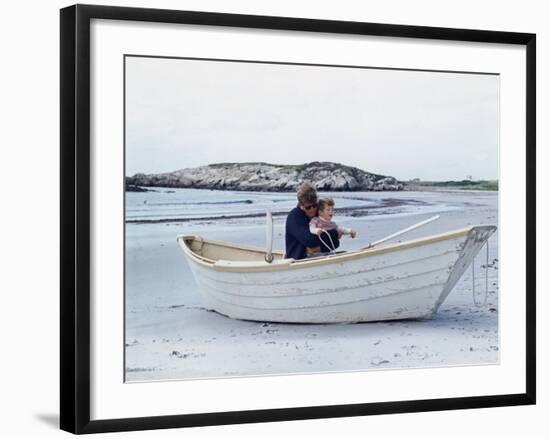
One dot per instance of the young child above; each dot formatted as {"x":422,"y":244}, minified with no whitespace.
{"x":324,"y":221}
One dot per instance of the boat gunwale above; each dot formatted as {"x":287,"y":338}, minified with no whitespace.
{"x":313,"y":262}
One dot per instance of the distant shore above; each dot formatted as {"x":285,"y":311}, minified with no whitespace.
{"x":469,"y":185}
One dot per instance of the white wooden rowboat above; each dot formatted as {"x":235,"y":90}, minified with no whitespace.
{"x":408,"y":280}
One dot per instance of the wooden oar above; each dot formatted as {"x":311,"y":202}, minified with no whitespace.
{"x":408,"y":229}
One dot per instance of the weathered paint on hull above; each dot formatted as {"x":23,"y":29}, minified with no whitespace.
{"x":408,"y":283}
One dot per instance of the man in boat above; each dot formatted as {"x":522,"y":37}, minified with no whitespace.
{"x":299,"y":242}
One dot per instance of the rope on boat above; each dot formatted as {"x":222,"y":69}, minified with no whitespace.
{"x":476,"y":303}
{"x":331,"y":246}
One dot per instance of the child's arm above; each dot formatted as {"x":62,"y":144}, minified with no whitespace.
{"x":313,"y":227}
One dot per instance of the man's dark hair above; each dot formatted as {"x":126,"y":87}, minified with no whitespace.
{"x":306,"y":194}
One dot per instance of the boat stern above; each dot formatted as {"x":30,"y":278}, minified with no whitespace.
{"x":476,"y":238}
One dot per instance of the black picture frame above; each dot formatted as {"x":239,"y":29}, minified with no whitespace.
{"x":75,"y":217}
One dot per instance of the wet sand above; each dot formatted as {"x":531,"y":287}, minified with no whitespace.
{"x":169,"y":334}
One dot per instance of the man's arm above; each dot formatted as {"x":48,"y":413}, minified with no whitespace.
{"x":301,"y":233}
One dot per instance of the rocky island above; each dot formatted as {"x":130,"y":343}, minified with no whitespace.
{"x":265,"y":177}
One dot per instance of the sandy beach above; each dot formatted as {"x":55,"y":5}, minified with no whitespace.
{"x":170,"y":335}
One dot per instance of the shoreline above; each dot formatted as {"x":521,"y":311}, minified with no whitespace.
{"x":406,"y":188}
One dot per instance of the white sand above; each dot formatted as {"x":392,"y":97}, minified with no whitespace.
{"x":169,"y":335}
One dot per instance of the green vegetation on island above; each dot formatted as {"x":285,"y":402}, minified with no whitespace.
{"x":468,"y":184}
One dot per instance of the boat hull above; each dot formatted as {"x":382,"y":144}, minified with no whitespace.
{"x":399,"y":281}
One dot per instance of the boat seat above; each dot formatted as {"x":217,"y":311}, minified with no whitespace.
{"x":243,"y":264}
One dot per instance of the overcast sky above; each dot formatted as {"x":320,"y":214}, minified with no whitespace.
{"x":407,"y":124}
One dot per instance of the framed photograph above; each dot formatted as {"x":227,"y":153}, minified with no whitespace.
{"x":275,"y":218}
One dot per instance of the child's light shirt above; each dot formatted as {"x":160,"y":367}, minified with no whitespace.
{"x":320,"y":223}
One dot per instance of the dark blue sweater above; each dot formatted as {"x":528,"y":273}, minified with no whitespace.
{"x":298,"y":236}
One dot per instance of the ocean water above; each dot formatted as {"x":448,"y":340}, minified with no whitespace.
{"x":184,"y":205}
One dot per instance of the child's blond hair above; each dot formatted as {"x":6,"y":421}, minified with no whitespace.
{"x":324,"y":203}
